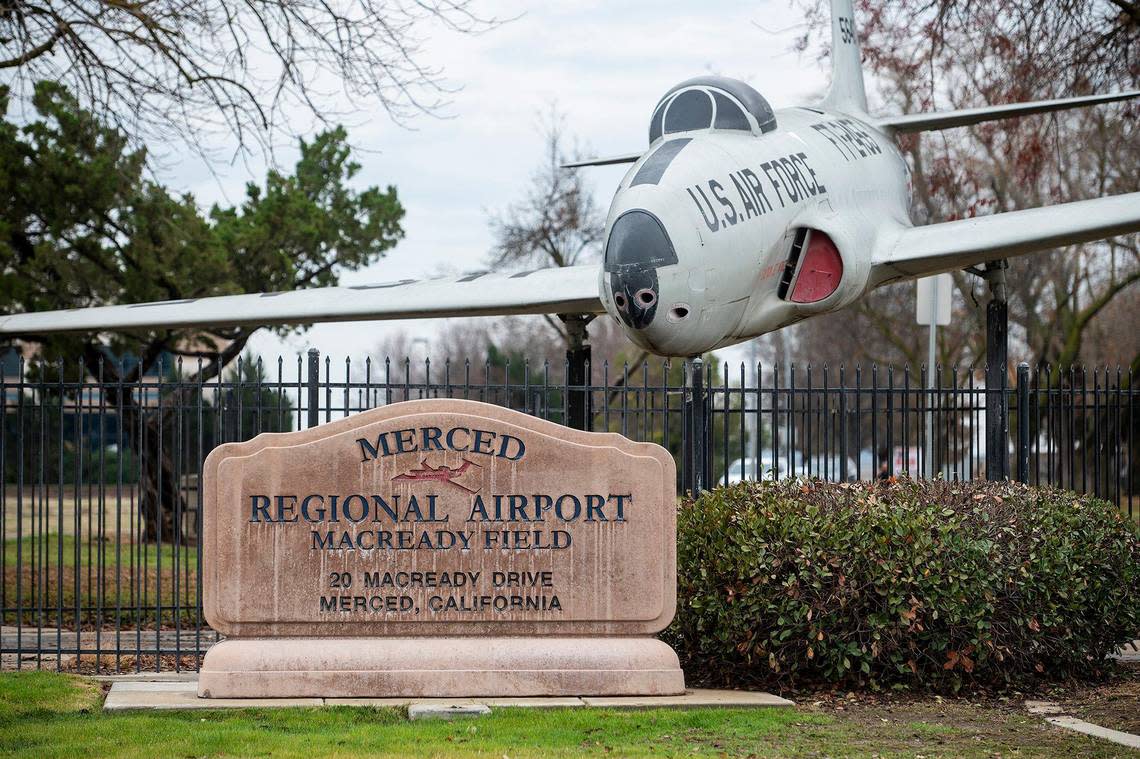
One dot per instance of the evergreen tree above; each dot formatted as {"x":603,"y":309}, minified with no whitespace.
{"x":82,"y":224}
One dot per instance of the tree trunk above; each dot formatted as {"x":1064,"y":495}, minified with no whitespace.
{"x":147,"y":430}
{"x":160,"y":499}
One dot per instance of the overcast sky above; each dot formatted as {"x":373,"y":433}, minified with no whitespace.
{"x":605,"y":64}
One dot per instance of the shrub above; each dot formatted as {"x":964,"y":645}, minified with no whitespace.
{"x":922,"y":583}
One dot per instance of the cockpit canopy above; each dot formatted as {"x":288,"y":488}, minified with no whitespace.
{"x":711,"y":102}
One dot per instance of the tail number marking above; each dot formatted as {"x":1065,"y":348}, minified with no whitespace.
{"x":846,"y":30}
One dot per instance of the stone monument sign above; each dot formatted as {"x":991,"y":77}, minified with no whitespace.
{"x":439,"y":548}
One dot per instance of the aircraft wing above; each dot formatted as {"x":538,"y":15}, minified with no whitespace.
{"x":573,"y":289}
{"x":922,"y":251}
{"x":924,"y":122}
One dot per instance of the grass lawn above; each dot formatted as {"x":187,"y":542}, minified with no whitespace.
{"x":50,"y":715}
{"x":86,"y":553}
{"x":131,"y":575}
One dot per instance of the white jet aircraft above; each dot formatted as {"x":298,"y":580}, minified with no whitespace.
{"x":736,"y":221}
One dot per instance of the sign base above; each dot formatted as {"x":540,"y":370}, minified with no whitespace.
{"x":445,"y":667}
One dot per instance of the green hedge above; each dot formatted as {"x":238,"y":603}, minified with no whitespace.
{"x":920,"y":583}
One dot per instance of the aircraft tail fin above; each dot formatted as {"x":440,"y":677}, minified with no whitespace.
{"x":846,"y":92}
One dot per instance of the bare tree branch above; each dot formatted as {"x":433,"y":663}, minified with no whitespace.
{"x":194,"y":71}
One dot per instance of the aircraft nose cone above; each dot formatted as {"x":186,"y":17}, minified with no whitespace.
{"x":636,"y":294}
{"x":637,"y":247}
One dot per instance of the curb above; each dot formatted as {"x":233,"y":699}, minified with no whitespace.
{"x":1053,"y":714}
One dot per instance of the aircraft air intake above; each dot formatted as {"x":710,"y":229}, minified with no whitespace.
{"x":813,"y":270}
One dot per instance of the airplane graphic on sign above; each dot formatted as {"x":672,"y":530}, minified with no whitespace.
{"x":427,"y":473}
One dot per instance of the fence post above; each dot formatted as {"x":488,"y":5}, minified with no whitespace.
{"x":314,"y":386}
{"x":1023,"y":422}
{"x":843,"y":473}
{"x":704,"y":428}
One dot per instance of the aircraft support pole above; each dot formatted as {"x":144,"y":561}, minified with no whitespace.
{"x":579,"y":413}
{"x":997,"y":350}
{"x":695,"y":472}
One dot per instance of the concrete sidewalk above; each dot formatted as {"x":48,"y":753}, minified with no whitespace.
{"x":183,"y":694}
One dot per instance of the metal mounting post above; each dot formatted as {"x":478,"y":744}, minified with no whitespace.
{"x":997,"y":351}
{"x":696,"y":469}
{"x":579,"y":413}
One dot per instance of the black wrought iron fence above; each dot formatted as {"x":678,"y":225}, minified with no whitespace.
{"x":99,"y":480}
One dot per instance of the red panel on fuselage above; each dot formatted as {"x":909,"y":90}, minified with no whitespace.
{"x":820,"y":271}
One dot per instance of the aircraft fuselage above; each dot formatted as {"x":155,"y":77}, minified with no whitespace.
{"x":731,"y":204}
